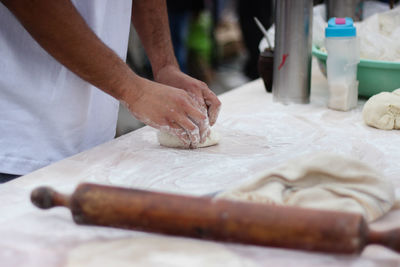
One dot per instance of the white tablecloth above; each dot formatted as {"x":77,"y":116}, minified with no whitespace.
{"x":257,"y":134}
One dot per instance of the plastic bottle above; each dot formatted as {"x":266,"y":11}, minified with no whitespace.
{"x":343,"y":56}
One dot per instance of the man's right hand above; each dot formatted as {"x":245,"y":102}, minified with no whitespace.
{"x":168,"y":109}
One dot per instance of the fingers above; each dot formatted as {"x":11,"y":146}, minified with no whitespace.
{"x":198,"y":98}
{"x":192,"y":130}
{"x":180,"y":132}
{"x":209,"y":100}
{"x":213,"y":105}
{"x":188,"y":121}
{"x":204,"y":129}
{"x":186,"y":131}
{"x":193,"y":120}
{"x":196,"y":89}
{"x":202,"y":123}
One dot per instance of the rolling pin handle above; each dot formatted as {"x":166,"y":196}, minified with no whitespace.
{"x":389,"y":239}
{"x":45,"y":198}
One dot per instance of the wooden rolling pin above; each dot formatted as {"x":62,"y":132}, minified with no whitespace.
{"x":200,"y":217}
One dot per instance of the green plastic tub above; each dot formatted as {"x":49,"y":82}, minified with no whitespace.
{"x":374,"y":76}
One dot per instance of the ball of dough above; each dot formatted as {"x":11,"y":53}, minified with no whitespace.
{"x":382,"y":111}
{"x":321,"y":181}
{"x":169,"y":140}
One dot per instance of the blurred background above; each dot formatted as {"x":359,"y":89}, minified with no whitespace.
{"x":215,"y":41}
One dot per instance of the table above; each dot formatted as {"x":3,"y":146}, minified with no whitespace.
{"x":257,"y":134}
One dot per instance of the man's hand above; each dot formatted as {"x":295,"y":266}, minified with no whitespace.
{"x":169,"y":109}
{"x":151,"y":22}
{"x":172,"y":76}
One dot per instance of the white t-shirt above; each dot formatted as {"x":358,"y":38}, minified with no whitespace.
{"x":48,"y":113}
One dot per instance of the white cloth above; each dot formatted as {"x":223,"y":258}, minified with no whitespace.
{"x":48,"y":113}
{"x":321,"y":181}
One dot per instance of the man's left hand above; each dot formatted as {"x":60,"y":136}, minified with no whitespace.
{"x":172,"y":76}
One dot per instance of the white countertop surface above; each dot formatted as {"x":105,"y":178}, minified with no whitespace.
{"x":257,"y":134}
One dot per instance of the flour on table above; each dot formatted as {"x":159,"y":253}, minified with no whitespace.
{"x":321,"y":181}
{"x":154,"y":251}
{"x":382,"y":111}
{"x":169,"y":140}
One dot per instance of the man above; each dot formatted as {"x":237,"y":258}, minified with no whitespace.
{"x":53,"y":55}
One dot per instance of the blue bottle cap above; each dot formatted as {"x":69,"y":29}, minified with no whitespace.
{"x":340,"y":27}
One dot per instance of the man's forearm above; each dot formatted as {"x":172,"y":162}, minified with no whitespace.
{"x":58,"y":27}
{"x":151,"y":21}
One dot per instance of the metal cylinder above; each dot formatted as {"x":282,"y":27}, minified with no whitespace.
{"x":344,"y":8}
{"x":292,"y":55}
